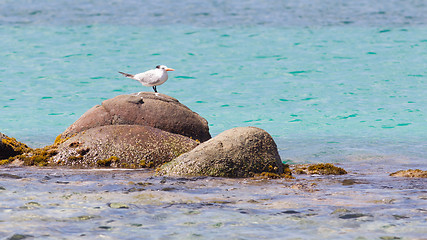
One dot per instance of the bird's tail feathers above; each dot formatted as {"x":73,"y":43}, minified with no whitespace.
{"x":127,"y":75}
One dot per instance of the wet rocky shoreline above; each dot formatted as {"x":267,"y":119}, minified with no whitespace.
{"x":365,"y":203}
{"x":147,"y":130}
{"x":152,"y":130}
{"x":121,"y":177}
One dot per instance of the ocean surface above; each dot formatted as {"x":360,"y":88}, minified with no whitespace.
{"x":332,"y":81}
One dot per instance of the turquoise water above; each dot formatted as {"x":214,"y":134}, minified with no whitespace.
{"x":334,"y":86}
{"x":331,"y":81}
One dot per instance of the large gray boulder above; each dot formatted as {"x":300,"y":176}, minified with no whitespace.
{"x":147,"y":109}
{"x":128,"y":146}
{"x":238,"y":152}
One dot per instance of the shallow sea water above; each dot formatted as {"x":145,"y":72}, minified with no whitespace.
{"x":331,"y":81}
{"x":339,"y":85}
{"x":131,"y":204}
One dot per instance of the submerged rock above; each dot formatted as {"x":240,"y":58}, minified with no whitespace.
{"x":146,"y":109}
{"x":320,"y":168}
{"x":20,"y":237}
{"x":238,"y":152}
{"x":129,"y":146}
{"x":413,"y":173}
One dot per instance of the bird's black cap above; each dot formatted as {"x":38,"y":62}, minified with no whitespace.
{"x":158,"y":66}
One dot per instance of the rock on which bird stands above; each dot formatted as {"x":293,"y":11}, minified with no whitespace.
{"x":10,"y":147}
{"x":146,"y":109}
{"x":127,"y":146}
{"x":238,"y":152}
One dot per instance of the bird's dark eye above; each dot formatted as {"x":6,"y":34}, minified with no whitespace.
{"x":158,"y":66}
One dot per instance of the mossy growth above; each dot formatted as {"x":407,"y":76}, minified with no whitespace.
{"x":75,"y":158}
{"x":272,"y":173}
{"x":125,"y":165}
{"x":18,"y":147}
{"x":59,"y":139}
{"x":133,"y":166}
{"x":326,"y":169}
{"x":287,"y":172}
{"x":31,"y":157}
{"x":4,"y":161}
{"x":414,"y":173}
{"x":145,"y":164}
{"x":107,"y":162}
{"x":320,"y":168}
{"x":36,"y":157}
{"x":196,"y":140}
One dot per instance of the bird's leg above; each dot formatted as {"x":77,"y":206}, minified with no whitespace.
{"x":155,"y":89}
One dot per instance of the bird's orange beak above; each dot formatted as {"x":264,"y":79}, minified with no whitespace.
{"x":170,"y":69}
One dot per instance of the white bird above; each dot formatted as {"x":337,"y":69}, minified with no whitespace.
{"x":151,"y":78}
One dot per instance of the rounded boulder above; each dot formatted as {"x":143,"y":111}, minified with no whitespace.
{"x":238,"y":152}
{"x":147,"y":109}
{"x":126,"y":146}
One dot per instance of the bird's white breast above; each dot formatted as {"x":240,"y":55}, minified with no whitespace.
{"x":151,"y":78}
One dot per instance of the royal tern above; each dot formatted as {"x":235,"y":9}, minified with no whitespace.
{"x":151,"y":78}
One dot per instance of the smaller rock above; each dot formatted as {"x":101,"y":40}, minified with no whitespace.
{"x":10,"y":176}
{"x":412,"y":173}
{"x":118,"y":205}
{"x":20,"y":237}
{"x":238,"y":152}
{"x":20,"y":154}
{"x":320,"y":168}
{"x":353,"y":215}
{"x":10,"y":147}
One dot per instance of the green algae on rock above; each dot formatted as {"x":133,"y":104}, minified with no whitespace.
{"x":107,"y":162}
{"x":287,"y":173}
{"x":123,"y":146}
{"x":320,"y":168}
{"x":35,"y":157}
{"x":235,"y":153}
{"x":10,"y":147}
{"x":413,"y":173}
{"x":32,"y":157}
{"x":24,"y":155}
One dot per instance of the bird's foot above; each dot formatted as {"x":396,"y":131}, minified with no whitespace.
{"x":136,"y":94}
